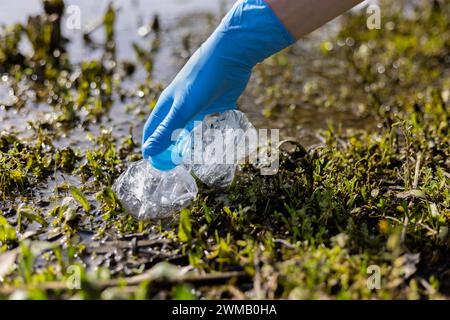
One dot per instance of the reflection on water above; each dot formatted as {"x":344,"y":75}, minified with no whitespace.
{"x":132,"y":15}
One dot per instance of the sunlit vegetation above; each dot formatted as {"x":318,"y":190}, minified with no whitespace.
{"x":374,"y":196}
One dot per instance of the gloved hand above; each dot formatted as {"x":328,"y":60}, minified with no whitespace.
{"x":217,"y":73}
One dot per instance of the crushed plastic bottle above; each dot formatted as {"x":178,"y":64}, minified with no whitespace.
{"x":223,"y":145}
{"x":150,"y":194}
{"x":157,"y":188}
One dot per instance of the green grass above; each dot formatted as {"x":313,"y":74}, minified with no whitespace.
{"x":376,"y":197}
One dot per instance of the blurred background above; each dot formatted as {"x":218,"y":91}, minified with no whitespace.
{"x":181,"y":27}
{"x":178,"y":18}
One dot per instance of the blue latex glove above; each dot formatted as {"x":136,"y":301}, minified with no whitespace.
{"x":215,"y":76}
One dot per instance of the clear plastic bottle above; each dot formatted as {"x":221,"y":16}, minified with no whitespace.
{"x":162,"y":185}
{"x":151,"y":194}
{"x":223,"y":142}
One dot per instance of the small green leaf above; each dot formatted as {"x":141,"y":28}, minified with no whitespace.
{"x":78,"y":195}
{"x":228,"y":211}
{"x":7,"y":232}
{"x":31,"y":215}
{"x":207,"y":211}
{"x":184,"y":228}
